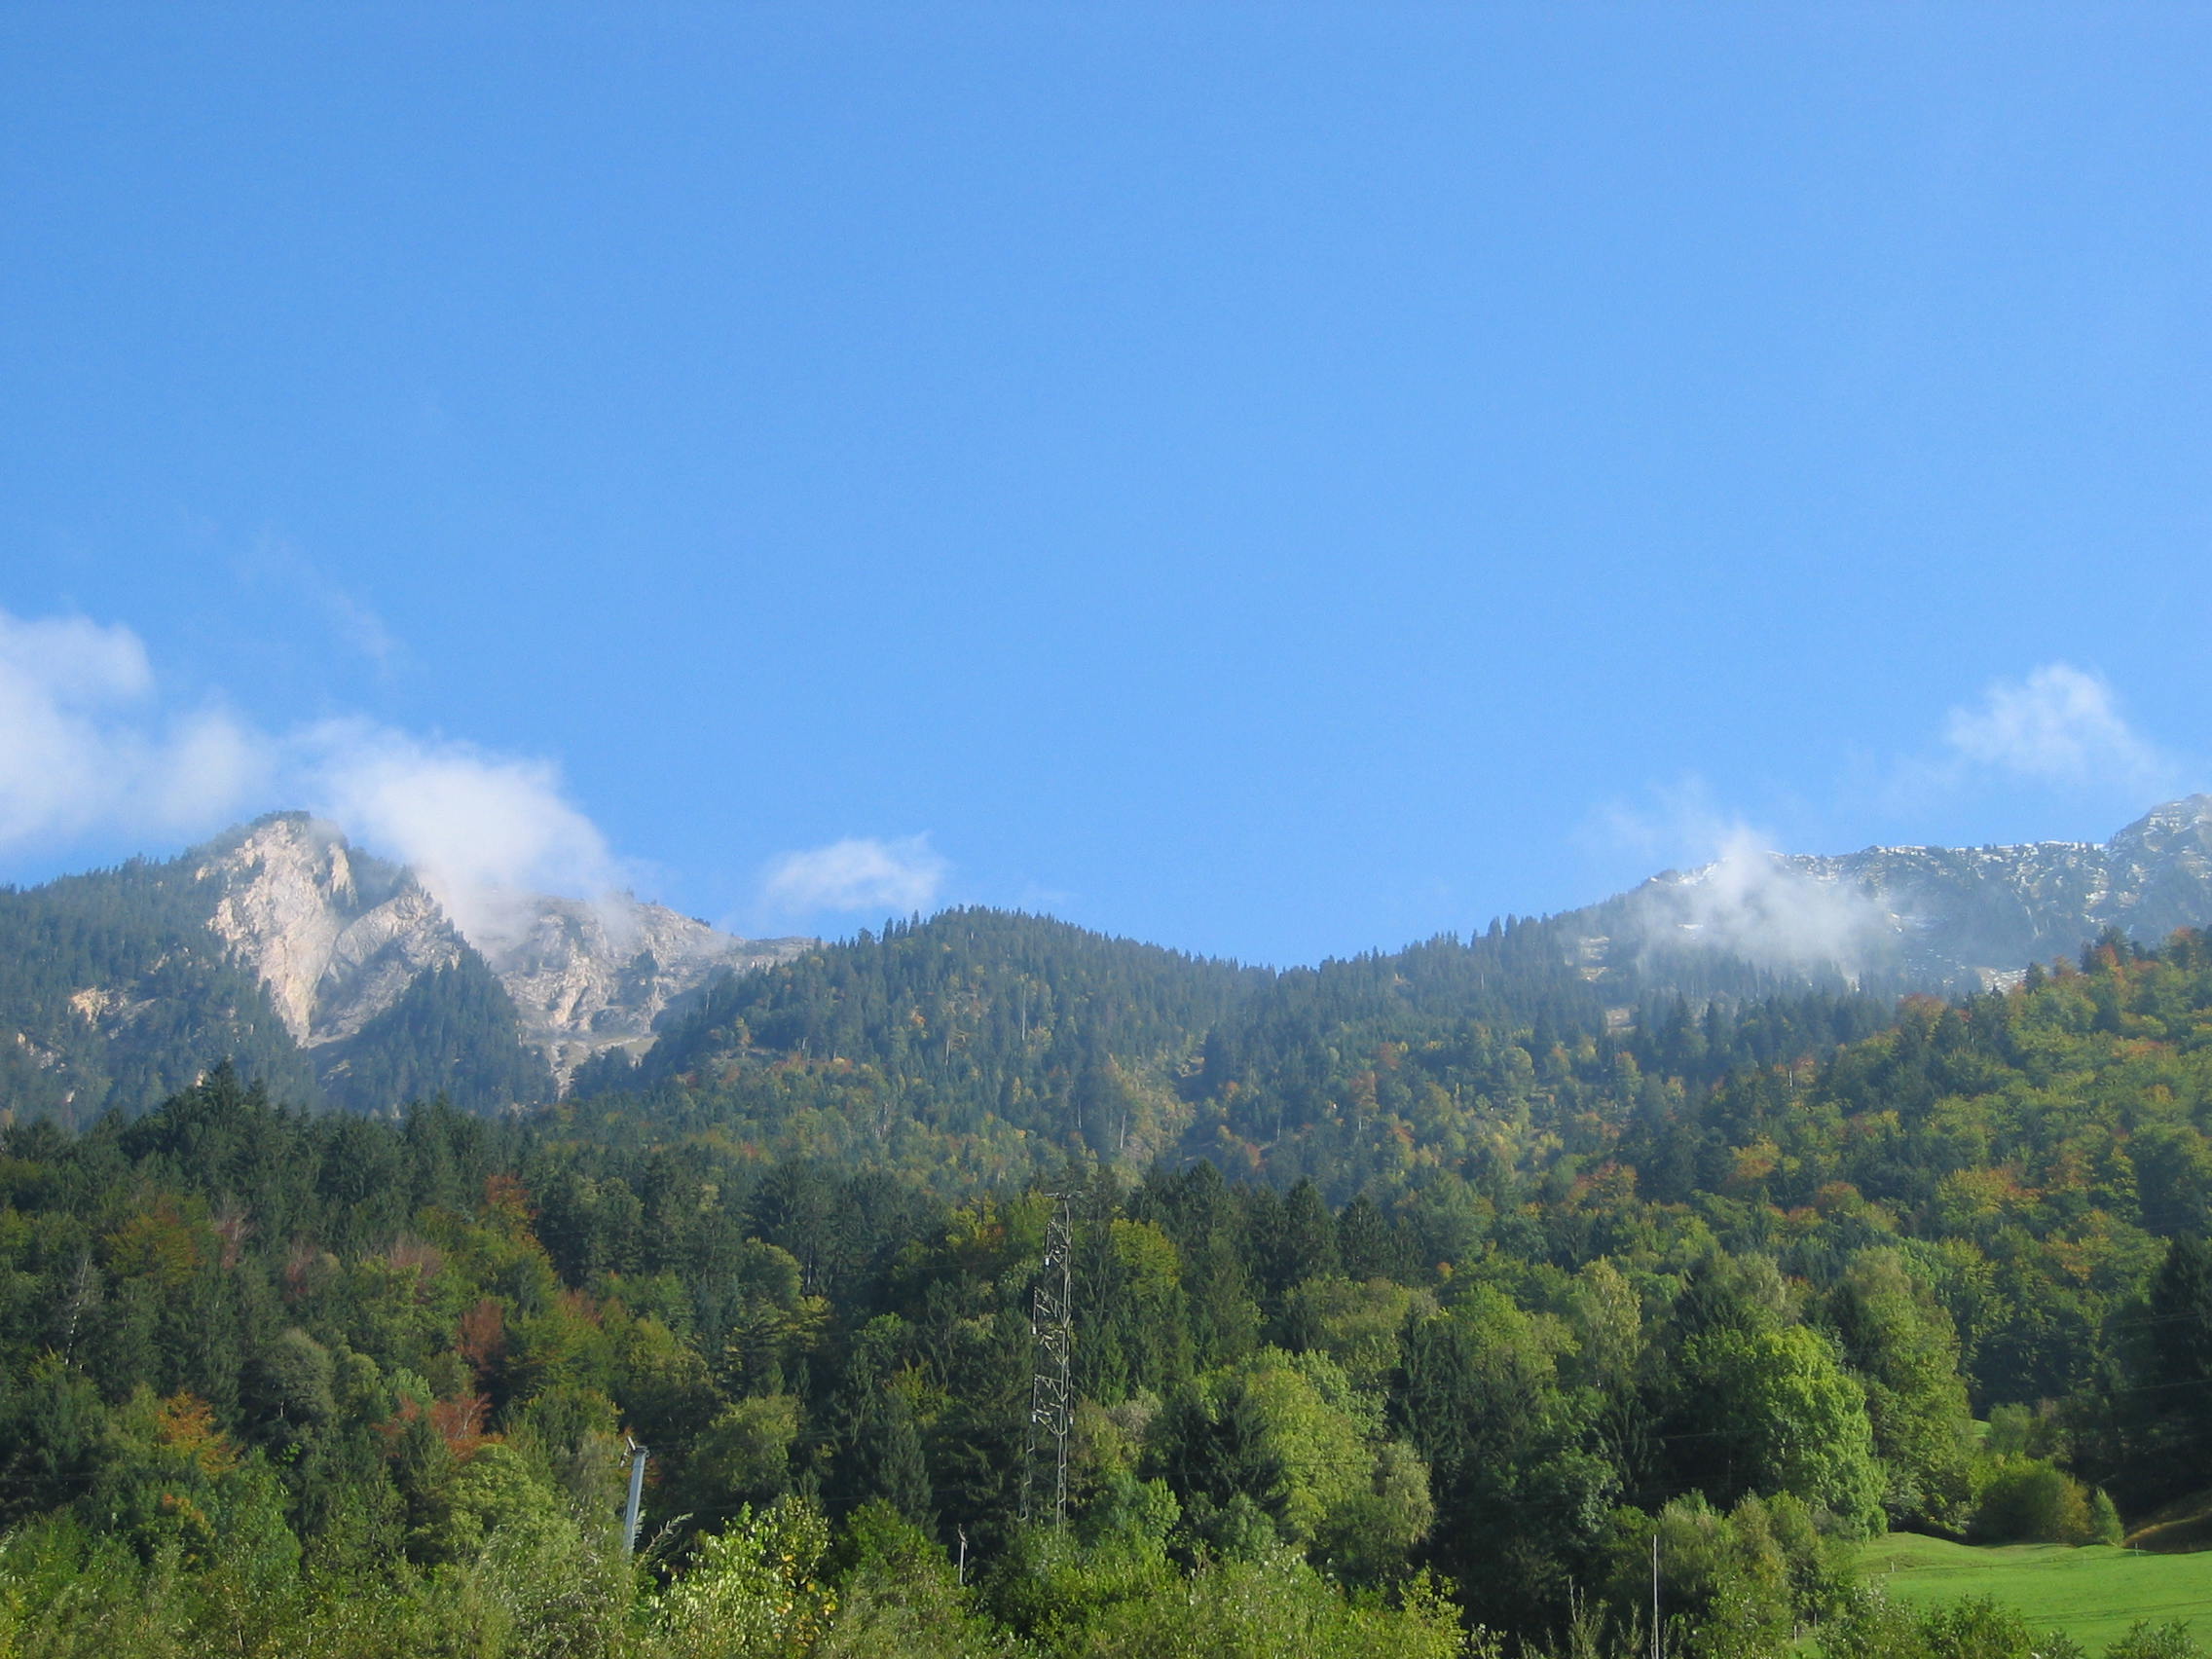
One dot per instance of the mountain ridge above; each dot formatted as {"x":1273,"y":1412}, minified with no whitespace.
{"x":1951,"y":919}
{"x":327,"y":969}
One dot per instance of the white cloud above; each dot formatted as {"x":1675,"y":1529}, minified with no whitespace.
{"x":1738,"y":896}
{"x":1748,"y":902}
{"x":858,"y":873}
{"x":210,"y":766}
{"x":81,"y":747}
{"x":2060,"y":725}
{"x":77,"y":661}
{"x":482,"y":830}
{"x":84,"y":747}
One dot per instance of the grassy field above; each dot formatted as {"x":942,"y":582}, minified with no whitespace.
{"x":2092,"y":1595}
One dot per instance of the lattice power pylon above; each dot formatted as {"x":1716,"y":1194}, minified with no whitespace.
{"x":1051,"y":1383}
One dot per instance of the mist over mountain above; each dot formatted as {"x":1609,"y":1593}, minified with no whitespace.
{"x":1946,"y":919}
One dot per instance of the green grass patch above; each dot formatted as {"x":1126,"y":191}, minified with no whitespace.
{"x":2092,"y":1594}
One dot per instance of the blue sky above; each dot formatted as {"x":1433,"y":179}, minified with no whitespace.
{"x":1274,"y":480}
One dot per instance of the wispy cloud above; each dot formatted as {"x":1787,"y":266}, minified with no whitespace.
{"x":2058,"y":728}
{"x":1735,"y":893}
{"x":1676,"y":824}
{"x":210,"y":767}
{"x":2060,"y":724}
{"x":857,"y":874}
{"x":81,"y":745}
{"x":1748,"y":902}
{"x":87,"y":747}
{"x":483,"y":832}
{"x":275,"y":562}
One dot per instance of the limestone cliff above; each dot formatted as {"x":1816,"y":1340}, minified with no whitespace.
{"x":590,"y":977}
{"x":336,"y":935}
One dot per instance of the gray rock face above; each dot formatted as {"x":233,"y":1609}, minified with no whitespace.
{"x":337,"y":935}
{"x":586,"y":978}
{"x":1949,"y":917}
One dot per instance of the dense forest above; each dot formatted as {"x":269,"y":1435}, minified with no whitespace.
{"x":985,"y":1045}
{"x":116,"y":995}
{"x":1412,"y":1299}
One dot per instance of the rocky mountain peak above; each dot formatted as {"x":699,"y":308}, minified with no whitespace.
{"x":336,"y":934}
{"x":590,"y":976}
{"x":2178,"y":827}
{"x":1938,"y":917}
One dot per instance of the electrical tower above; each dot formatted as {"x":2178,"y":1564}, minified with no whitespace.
{"x":1051,"y":1384}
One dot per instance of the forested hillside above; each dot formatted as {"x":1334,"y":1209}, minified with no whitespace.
{"x":114,"y":993}
{"x":980,"y":1043}
{"x":1760,"y":1280}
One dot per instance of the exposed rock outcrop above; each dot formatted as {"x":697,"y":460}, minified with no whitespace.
{"x":1937,"y":917}
{"x":336,"y":934}
{"x":591,"y":976}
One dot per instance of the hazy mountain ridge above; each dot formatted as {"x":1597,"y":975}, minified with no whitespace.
{"x":1933,"y":918}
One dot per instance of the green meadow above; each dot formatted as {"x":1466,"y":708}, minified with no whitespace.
{"x":2093,"y":1593}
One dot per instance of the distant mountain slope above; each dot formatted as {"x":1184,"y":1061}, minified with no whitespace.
{"x":327,"y":972}
{"x":589,"y":978}
{"x":987,"y":1037}
{"x":338,"y":936}
{"x":114,"y":993}
{"x":982,"y":1041}
{"x":977,"y":1037}
{"x":1930,"y":918}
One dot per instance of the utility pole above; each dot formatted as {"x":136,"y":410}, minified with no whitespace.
{"x":1052,"y":1381}
{"x":637,"y":1494}
{"x":1655,"y":1588}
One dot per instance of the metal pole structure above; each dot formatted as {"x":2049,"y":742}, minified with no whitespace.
{"x":1655,"y":1588}
{"x":1065,"y":1353}
{"x":1051,"y":1383}
{"x":636,"y":1495}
